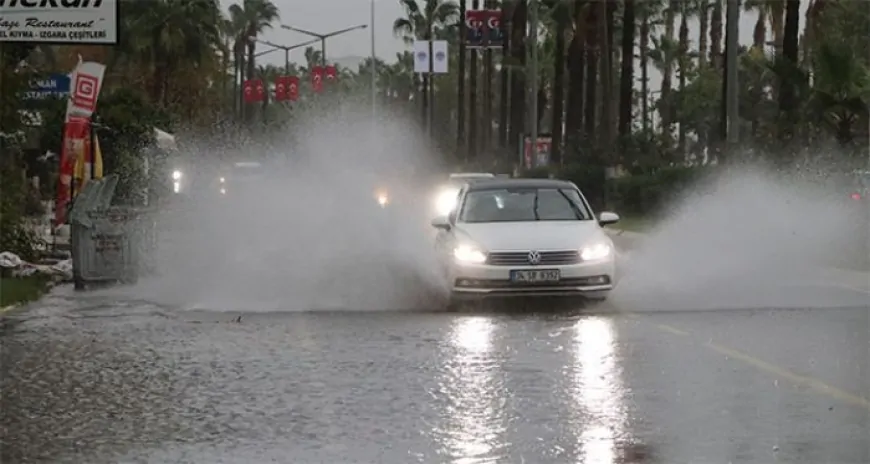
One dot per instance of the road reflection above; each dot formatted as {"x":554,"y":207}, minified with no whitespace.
{"x":598,"y":389}
{"x":475,"y":395}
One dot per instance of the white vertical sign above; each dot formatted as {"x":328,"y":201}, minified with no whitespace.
{"x":440,"y":56}
{"x":421,"y":56}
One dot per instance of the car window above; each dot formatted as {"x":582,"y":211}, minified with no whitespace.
{"x":523,"y":204}
{"x":864,"y":180}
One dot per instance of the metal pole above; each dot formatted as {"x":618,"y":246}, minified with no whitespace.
{"x":533,"y":74}
{"x":374,"y":65}
{"x":286,"y":61}
{"x":732,"y":30}
{"x":323,"y":51}
{"x":431,"y":89}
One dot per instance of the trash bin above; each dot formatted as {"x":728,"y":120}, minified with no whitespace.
{"x":108,"y":243}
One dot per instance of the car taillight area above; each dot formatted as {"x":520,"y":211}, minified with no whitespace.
{"x":856,"y":196}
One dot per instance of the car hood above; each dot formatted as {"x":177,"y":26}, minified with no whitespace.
{"x":540,"y":235}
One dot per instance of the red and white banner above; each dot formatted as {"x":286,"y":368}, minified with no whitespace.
{"x":292,"y":88}
{"x":254,"y":91}
{"x":331,"y":73}
{"x":85,"y":85}
{"x":281,"y":88}
{"x":317,"y":78}
{"x":86,"y":82}
{"x":286,"y":88}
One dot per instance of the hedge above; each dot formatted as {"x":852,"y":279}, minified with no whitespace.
{"x":642,"y":194}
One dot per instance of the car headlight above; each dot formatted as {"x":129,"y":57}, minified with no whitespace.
{"x":223,"y":180}
{"x":469,"y":254}
{"x":176,"y":175}
{"x":446,"y":201}
{"x":595,"y":252}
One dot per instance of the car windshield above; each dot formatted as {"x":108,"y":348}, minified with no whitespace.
{"x":523,"y":204}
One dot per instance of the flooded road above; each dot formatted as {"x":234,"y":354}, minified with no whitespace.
{"x":97,"y":379}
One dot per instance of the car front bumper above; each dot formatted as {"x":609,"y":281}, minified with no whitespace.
{"x":592,"y":280}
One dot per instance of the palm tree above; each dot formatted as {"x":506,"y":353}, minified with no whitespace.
{"x":166,"y":35}
{"x":560,"y":12}
{"x":787,"y":96}
{"x":576,"y":62}
{"x":422,"y":23}
{"x":257,"y":16}
{"x":626,"y":78}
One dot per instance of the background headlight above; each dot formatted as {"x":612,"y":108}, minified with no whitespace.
{"x":176,"y":175}
{"x":383,"y":199}
{"x":599,"y":251}
{"x":468,"y":254}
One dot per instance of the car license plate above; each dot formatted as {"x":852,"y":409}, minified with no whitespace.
{"x":535,"y":276}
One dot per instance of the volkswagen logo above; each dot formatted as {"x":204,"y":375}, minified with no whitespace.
{"x":534,"y":257}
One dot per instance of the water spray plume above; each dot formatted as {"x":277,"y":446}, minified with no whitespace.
{"x":743,"y":239}
{"x":311,"y":234}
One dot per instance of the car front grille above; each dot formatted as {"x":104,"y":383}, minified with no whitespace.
{"x":521,"y":258}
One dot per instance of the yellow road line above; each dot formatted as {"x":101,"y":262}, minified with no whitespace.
{"x":814,"y":384}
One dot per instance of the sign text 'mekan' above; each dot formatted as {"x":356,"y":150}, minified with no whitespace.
{"x":51,"y":3}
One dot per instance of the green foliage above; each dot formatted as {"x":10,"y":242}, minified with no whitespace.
{"x":642,"y":194}
{"x":21,"y":289}
{"x":17,"y":197}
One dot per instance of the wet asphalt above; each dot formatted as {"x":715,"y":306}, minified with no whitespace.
{"x":93,"y":378}
{"x":106,"y":377}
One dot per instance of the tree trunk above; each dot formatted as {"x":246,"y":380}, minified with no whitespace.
{"x":704,"y":27}
{"x":486,"y":121}
{"x":473,"y":146}
{"x":591,"y":75}
{"x":716,"y":36}
{"x":787,"y":86}
{"x":518,"y":80}
{"x":558,"y":91}
{"x":576,"y":68}
{"x":606,"y":39}
{"x":504,"y":109}
{"x":644,"y":70}
{"x":460,"y":98}
{"x":683,"y":64}
{"x":626,"y":78}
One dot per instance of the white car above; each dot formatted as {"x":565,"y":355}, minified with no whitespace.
{"x":445,"y":198}
{"x":525,"y":237}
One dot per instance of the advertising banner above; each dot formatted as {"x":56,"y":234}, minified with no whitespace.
{"x":538,"y":157}
{"x":67,"y":22}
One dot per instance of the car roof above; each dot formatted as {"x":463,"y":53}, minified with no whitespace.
{"x":504,"y":183}
{"x":466,"y":175}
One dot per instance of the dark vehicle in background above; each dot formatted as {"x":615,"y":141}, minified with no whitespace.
{"x":239,"y":177}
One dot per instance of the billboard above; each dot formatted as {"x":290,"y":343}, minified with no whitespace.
{"x":55,"y":85}
{"x":59,"y":21}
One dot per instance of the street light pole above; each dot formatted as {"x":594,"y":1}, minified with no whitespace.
{"x":323,"y":37}
{"x":286,"y":50}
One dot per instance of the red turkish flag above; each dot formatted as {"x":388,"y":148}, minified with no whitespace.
{"x":254,"y":91}
{"x":280,"y":88}
{"x":317,"y":78}
{"x":292,"y":88}
{"x":331,"y":73}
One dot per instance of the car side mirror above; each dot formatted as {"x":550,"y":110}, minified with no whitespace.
{"x":607,"y":217}
{"x":441,"y":222}
{"x":451,"y":217}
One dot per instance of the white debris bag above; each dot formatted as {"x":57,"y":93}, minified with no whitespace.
{"x":9,"y":260}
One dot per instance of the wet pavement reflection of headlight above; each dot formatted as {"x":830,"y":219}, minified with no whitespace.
{"x":598,"y":390}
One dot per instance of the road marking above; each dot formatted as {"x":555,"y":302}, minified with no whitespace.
{"x":814,"y":384}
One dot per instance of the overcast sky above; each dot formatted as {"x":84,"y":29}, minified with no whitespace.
{"x":324,"y":16}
